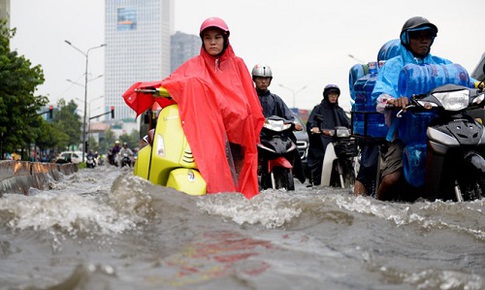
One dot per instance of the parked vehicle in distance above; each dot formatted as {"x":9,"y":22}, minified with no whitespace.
{"x":70,"y":156}
{"x":302,"y":142}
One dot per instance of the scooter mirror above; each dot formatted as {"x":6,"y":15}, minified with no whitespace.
{"x":479,"y":71}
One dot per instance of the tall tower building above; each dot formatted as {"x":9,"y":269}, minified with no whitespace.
{"x":183,"y":46}
{"x":5,"y":11}
{"x":138,"y":47}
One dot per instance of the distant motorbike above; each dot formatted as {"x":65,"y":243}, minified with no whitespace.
{"x":100,"y":160}
{"x":277,"y":152}
{"x":90,"y":161}
{"x":450,"y":163}
{"x":340,"y":159}
{"x":125,"y":160}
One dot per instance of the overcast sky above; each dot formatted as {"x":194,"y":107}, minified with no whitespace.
{"x":306,"y":42}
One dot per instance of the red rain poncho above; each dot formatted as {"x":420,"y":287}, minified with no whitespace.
{"x":218,"y":102}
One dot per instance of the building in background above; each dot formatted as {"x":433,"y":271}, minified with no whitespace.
{"x":183,"y":47}
{"x":5,"y":11}
{"x":137,"y":35}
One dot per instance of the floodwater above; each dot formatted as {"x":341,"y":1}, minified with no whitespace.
{"x":104,"y":228}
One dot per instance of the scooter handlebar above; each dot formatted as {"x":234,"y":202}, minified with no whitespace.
{"x":160,"y":91}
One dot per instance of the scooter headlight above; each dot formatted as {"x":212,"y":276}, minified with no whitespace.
{"x":342,"y":132}
{"x":277,"y":125}
{"x":160,"y":146}
{"x":454,"y":101}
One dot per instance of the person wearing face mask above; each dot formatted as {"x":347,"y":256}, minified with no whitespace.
{"x":326,"y":115}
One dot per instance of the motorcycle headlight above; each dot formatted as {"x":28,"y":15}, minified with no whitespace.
{"x":343,"y":132}
{"x":276,"y":125}
{"x":454,"y":101}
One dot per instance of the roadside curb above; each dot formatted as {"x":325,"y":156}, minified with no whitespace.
{"x":20,"y":176}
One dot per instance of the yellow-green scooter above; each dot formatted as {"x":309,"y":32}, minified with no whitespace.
{"x":167,"y":159}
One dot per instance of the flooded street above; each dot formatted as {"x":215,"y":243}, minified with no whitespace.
{"x":104,"y":228}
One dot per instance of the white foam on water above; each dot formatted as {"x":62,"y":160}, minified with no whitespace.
{"x":271,"y":208}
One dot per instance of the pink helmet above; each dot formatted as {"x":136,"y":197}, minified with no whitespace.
{"x":214,"y":22}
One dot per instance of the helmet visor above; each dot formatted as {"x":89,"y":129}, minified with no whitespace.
{"x":423,"y":31}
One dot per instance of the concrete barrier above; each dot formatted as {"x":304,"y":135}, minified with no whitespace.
{"x":20,"y":176}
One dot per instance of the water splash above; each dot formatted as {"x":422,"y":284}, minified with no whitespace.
{"x":271,"y":208}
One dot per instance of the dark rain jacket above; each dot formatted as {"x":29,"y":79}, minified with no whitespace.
{"x":273,"y":105}
{"x":324,"y":116}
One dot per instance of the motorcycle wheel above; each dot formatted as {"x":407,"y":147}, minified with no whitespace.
{"x":481,"y":186}
{"x":348,"y":174}
{"x":474,"y":180}
{"x":349,"y":179}
{"x":284,"y":178}
{"x":474,"y":191}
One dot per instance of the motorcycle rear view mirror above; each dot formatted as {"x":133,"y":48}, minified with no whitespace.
{"x":479,"y":71}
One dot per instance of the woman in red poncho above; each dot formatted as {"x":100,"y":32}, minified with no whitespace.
{"x":219,"y":106}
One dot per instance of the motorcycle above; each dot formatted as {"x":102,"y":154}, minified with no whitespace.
{"x":277,"y":153}
{"x":340,"y":159}
{"x":125,"y":160}
{"x":449,"y":164}
{"x":90,"y":161}
{"x":100,"y":160}
{"x":167,"y":159}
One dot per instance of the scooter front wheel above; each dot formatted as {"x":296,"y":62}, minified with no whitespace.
{"x":283,"y":178}
{"x":473,"y":185}
{"x":279,"y":178}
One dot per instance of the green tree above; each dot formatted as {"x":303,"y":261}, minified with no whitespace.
{"x":19,"y":106}
{"x":133,"y":140}
{"x":92,"y":144}
{"x":67,"y":121}
{"x":108,"y":141}
{"x":51,"y":138}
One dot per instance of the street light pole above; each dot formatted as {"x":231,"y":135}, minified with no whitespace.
{"x":293,"y":92}
{"x":354,"y":58}
{"x":89,"y":127}
{"x":78,"y":84}
{"x":86,"y":55}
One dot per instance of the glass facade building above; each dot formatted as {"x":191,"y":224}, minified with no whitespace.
{"x":183,"y":46}
{"x":5,"y":11}
{"x":137,"y":35}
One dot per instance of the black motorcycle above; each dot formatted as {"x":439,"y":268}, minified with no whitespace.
{"x":450,"y":163}
{"x":277,"y":153}
{"x":90,"y":161}
{"x":125,"y":160}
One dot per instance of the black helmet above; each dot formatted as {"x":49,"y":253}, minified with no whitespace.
{"x":414,"y":24}
{"x":330,"y":88}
